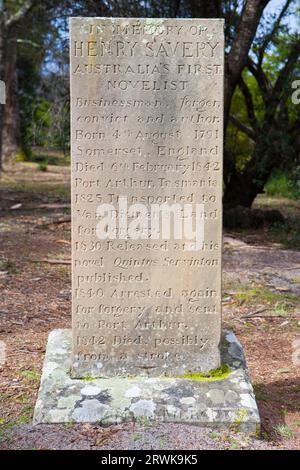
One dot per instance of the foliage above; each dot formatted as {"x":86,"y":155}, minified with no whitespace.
{"x":283,"y":184}
{"x":43,"y":166}
{"x":287,"y":234}
{"x":284,"y":431}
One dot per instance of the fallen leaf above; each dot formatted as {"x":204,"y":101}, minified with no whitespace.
{"x":284,"y":370}
{"x":16,"y":206}
{"x":63,"y":242}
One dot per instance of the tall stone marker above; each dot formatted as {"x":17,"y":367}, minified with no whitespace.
{"x":147,"y":135}
{"x":147,"y":138}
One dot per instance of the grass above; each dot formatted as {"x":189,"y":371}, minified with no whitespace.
{"x":282,"y":192}
{"x":260,"y":391}
{"x":30,"y":375}
{"x":69,"y":425}
{"x":9,"y":266}
{"x":234,"y":445}
{"x":22,"y":399}
{"x":283,"y":185}
{"x":283,"y":308}
{"x":249,"y":295}
{"x":43,"y":166}
{"x":24,"y":417}
{"x":39,"y":188}
{"x":214,"y":435}
{"x":42,"y":156}
{"x":287,"y":233}
{"x":284,"y":431}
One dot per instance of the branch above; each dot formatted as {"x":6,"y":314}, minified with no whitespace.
{"x":19,"y":15}
{"x":237,"y":57}
{"x":24,"y":41}
{"x":242,"y":127}
{"x":249,"y":103}
{"x":260,"y":77}
{"x":269,"y":37}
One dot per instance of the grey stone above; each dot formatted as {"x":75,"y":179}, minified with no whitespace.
{"x":144,"y":408}
{"x":217,"y":396}
{"x":228,"y":402}
{"x":90,"y":411}
{"x":147,"y":125}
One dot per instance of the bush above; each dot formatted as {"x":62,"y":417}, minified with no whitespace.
{"x":21,"y":156}
{"x":43,"y":166}
{"x":283,"y":184}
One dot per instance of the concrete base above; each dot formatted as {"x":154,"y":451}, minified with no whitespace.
{"x":227,"y":402}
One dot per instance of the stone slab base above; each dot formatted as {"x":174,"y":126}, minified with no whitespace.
{"x":227,"y":402}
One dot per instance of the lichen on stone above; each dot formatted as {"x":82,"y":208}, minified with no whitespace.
{"x":241,"y":416}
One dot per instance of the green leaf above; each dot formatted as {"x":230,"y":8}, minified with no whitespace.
{"x":284,"y":370}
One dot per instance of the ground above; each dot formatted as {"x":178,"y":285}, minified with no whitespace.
{"x":260,"y":303}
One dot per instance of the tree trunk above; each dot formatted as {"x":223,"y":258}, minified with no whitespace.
{"x":2,"y":70}
{"x":241,"y":190}
{"x":11,"y":122}
{"x":238,"y":55}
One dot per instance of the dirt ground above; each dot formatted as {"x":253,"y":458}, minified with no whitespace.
{"x":261,"y":304}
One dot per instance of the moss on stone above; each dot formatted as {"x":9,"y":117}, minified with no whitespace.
{"x":87,"y":378}
{"x":241,"y":417}
{"x":215,"y":374}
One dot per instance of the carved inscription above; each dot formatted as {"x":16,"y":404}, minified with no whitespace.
{"x":147,"y":136}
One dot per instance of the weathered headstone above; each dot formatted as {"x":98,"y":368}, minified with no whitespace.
{"x":147,"y":125}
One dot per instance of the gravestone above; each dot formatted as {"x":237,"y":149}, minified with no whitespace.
{"x":147,"y":138}
{"x":147,"y":125}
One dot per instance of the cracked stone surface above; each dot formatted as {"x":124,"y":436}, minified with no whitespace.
{"x":228,"y":402}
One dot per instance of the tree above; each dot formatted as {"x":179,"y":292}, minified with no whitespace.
{"x":249,"y":38}
{"x":18,"y":20}
{"x":237,"y":57}
{"x":270,"y":122}
{"x":2,"y":70}
{"x":11,"y":15}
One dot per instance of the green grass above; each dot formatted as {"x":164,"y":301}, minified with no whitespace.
{"x":43,"y":166}
{"x":69,"y":425}
{"x":283,"y":308}
{"x":30,"y":375}
{"x":288,"y":233}
{"x":249,"y":295}
{"x":214,"y":435}
{"x":50,"y":158}
{"x":281,"y":184}
{"x":284,"y":431}
{"x":42,"y":188}
{"x":260,"y":391}
{"x":24,"y":417}
{"x":9,"y":266}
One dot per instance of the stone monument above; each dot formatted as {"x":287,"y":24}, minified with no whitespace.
{"x":147,"y":121}
{"x":147,"y":145}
